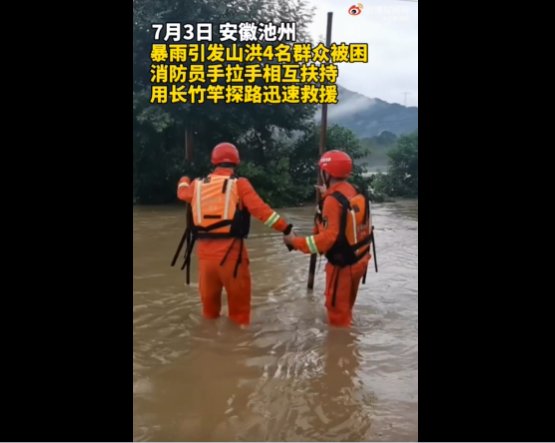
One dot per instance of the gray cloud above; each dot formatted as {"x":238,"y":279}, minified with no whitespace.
{"x":390,"y":27}
{"x":342,"y":109}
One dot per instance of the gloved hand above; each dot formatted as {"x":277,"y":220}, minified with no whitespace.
{"x":288,"y":235}
{"x":321,"y":189}
{"x":183,"y":183}
{"x":182,"y":187}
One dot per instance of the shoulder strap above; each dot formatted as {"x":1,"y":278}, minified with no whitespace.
{"x":343,"y":218}
{"x":341,"y":199}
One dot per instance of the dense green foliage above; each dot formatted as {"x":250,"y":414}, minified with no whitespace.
{"x":278,"y":143}
{"x":402,"y":177}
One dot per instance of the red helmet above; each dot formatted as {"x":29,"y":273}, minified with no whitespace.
{"x":338,"y":164}
{"x":225,"y":153}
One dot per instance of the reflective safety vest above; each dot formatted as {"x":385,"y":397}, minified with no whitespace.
{"x":217,"y":208}
{"x":353,"y":241}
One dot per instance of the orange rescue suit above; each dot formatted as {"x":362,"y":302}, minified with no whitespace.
{"x":342,"y":280}
{"x":233,"y":273}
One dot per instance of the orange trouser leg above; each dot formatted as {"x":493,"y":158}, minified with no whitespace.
{"x":210,"y":287}
{"x":345,"y":282}
{"x":238,"y":290}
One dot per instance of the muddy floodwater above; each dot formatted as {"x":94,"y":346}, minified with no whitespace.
{"x":288,"y":376}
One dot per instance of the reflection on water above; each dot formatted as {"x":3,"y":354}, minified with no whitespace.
{"x":289,"y":376}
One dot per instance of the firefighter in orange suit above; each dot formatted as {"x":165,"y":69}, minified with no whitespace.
{"x":342,"y":233}
{"x":221,"y":205}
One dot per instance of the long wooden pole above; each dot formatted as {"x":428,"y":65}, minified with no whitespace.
{"x":186,"y":237}
{"x":322,"y":147}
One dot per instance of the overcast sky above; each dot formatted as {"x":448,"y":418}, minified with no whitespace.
{"x":390,"y":27}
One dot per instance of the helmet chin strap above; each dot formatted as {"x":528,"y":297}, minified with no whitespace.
{"x":226,"y":165}
{"x":326,"y":178}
